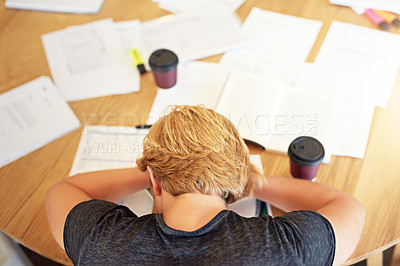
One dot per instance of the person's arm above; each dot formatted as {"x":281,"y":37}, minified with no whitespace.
{"x":344,"y":212}
{"x":110,"y":185}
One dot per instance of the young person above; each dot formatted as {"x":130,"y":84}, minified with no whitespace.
{"x":195,"y":162}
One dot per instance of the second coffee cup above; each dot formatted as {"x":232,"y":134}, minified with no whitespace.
{"x":306,"y":154}
{"x":164,"y":63}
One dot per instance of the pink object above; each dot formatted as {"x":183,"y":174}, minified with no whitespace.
{"x":375,"y":18}
{"x":303,"y":172}
{"x":165,"y":80}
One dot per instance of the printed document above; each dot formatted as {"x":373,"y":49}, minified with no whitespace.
{"x":89,"y":61}
{"x":278,"y":45}
{"x":31,"y":116}
{"x":196,"y":34}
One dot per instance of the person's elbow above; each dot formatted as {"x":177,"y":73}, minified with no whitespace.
{"x":359,"y":214}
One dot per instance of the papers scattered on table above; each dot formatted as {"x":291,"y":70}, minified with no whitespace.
{"x":32,"y":115}
{"x":388,"y":5}
{"x":264,"y":110}
{"x":89,"y":61}
{"x":67,"y":6}
{"x":358,"y":65}
{"x":195,"y":34}
{"x":332,"y":100}
{"x":279,"y":45}
{"x":176,"y":6}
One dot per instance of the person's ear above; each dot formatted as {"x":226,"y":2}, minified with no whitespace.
{"x":154,"y":182}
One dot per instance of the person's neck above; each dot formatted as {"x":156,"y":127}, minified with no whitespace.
{"x":191,"y":211}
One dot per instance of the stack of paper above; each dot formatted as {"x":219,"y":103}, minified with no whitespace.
{"x":67,"y":6}
{"x":89,"y":61}
{"x":32,"y":115}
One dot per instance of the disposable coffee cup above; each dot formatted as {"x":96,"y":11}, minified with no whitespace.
{"x":164,"y":63}
{"x":306,"y":154}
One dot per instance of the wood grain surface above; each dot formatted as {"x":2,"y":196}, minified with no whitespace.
{"x":375,"y":180}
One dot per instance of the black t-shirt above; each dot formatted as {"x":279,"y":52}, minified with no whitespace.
{"x":103,"y":233}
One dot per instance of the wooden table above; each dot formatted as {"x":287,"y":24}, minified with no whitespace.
{"x":375,"y":180}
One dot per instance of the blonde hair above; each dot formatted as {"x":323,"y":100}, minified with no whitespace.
{"x":196,"y":149}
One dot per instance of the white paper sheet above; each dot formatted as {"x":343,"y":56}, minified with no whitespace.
{"x":195,"y":34}
{"x":355,"y":112}
{"x":67,"y":6}
{"x":198,"y":83}
{"x":89,"y":61}
{"x":355,"y":119}
{"x":31,"y":116}
{"x":279,"y":44}
{"x":359,"y":62}
{"x":388,"y":5}
{"x":129,"y":33}
{"x":108,"y":147}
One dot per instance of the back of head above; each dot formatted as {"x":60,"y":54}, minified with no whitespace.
{"x":196,"y":149}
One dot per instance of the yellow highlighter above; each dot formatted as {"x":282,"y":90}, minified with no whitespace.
{"x":390,"y":18}
{"x":137,"y":60}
